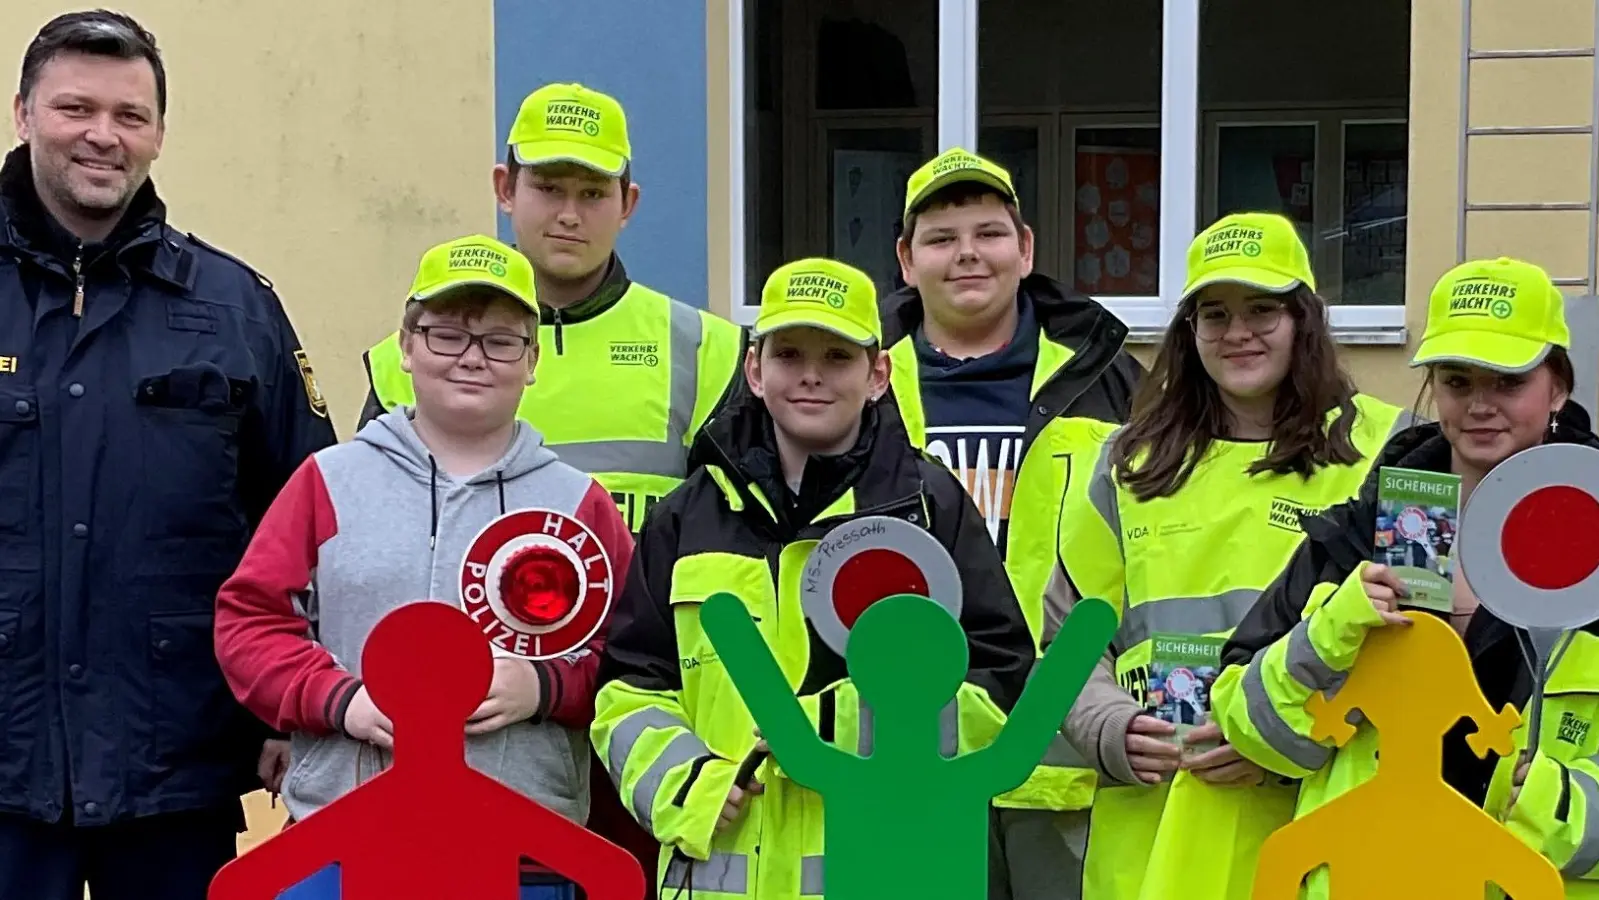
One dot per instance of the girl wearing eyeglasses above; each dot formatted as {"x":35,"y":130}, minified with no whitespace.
{"x":1184,"y":515}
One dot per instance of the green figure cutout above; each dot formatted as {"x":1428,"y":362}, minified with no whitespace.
{"x":905,"y":821}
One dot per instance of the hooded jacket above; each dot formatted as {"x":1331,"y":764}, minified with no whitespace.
{"x":367,"y":526}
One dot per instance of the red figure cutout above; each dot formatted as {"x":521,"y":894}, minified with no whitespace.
{"x":430,"y":827}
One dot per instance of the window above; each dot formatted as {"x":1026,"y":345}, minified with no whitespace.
{"x":1128,"y":125}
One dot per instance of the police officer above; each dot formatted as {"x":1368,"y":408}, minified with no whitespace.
{"x":627,"y":376}
{"x":153,"y":398}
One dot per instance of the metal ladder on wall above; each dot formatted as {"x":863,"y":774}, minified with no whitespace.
{"x":1582,"y":310}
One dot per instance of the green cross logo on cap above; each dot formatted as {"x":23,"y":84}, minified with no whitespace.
{"x":1251,"y":248}
{"x":1500,"y":309}
{"x":592,"y":129}
{"x":497,"y":269}
{"x":835,"y":300}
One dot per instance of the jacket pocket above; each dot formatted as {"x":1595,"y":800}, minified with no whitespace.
{"x":19,"y":461}
{"x":323,"y":769}
{"x":189,"y":421}
{"x":191,"y":705}
{"x":714,"y":708}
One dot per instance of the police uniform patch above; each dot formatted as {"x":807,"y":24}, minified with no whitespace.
{"x":313,"y":393}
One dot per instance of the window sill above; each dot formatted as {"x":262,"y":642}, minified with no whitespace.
{"x":1343,"y":335}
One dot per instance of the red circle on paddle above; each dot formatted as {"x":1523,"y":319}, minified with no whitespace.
{"x":1549,"y":539}
{"x":869,"y":576}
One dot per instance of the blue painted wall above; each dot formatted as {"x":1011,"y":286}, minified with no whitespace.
{"x":650,"y":55}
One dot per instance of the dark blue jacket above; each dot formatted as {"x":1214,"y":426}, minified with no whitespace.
{"x":140,"y":441}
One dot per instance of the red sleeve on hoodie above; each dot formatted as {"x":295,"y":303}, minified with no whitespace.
{"x":568,"y":682}
{"x":263,"y":645}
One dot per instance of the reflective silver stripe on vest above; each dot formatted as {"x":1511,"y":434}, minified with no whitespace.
{"x":669,"y":457}
{"x":1586,"y":856}
{"x":949,"y":734}
{"x":1306,"y":665}
{"x":811,"y":876}
{"x":625,"y":736}
{"x":729,"y":873}
{"x":1184,"y":615}
{"x":1295,"y":747}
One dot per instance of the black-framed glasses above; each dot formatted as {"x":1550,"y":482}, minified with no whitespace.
{"x":1261,"y":317}
{"x":500,"y":346}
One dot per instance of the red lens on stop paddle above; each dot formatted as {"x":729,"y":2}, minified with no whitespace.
{"x":539,"y":586}
{"x":1551,"y":537}
{"x":869,"y":576}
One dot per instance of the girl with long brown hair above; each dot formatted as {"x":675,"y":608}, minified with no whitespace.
{"x":1183,"y":516}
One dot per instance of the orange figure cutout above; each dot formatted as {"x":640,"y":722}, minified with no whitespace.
{"x":430,"y":827}
{"x":1413,"y":684}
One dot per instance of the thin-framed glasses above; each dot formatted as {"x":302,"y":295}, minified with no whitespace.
{"x":1260,"y":316}
{"x":500,"y":346}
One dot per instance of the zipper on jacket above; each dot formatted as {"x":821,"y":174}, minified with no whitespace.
{"x":77,"y":275}
{"x":559,"y":347}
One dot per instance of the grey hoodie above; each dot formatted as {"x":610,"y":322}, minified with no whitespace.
{"x":387,"y":527}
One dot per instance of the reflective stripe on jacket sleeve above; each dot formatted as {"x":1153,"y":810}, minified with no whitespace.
{"x":666,"y":776}
{"x":1260,"y":706}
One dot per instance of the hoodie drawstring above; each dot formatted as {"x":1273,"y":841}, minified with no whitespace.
{"x":499,"y":479}
{"x":433,"y":496}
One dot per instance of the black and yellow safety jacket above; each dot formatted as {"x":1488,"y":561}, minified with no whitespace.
{"x":1306,"y":630}
{"x":669,"y":725}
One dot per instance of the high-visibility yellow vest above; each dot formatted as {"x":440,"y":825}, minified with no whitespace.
{"x":1193,"y":563}
{"x":1060,"y":782}
{"x":657,"y":743}
{"x":620,"y":395}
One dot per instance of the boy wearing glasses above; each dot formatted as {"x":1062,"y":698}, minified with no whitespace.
{"x":385,"y":520}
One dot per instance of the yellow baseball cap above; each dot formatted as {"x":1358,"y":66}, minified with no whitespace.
{"x":476,"y":261}
{"x":951,"y":166}
{"x":1501,"y":314}
{"x":571,"y":123}
{"x":821,"y":293}
{"x":1262,"y":250}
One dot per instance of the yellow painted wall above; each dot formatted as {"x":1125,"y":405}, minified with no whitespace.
{"x":328,"y":145}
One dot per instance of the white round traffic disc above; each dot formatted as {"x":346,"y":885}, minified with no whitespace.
{"x":865,"y":560}
{"x":1529,"y":538}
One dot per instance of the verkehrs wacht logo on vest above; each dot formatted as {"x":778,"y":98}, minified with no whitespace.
{"x":635,"y":353}
{"x":1482,"y":297}
{"x":568,"y":116}
{"x":1234,"y":242}
{"x":816,"y":287}
{"x":478,"y":258}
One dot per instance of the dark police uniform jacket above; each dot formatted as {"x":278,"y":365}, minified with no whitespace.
{"x":153,"y":399}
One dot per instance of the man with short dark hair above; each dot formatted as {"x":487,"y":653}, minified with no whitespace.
{"x":995,"y":366}
{"x":153,"y":398}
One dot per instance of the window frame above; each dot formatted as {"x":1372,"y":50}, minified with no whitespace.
{"x":1187,"y":147}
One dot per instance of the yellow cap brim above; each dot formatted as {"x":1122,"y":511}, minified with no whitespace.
{"x":974,"y":175}
{"x":450,"y":287}
{"x":1260,"y":279}
{"x":1489,"y":350}
{"x":816,"y":318}
{"x":540,"y":153}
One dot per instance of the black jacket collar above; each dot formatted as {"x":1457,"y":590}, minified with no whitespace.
{"x":1065,"y":317}
{"x":607,"y":295}
{"x":881,"y":467}
{"x":31,"y":229}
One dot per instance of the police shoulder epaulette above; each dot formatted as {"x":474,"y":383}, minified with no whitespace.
{"x":265,"y":281}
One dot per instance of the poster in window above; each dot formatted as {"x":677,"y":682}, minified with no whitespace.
{"x":1117,"y":221}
